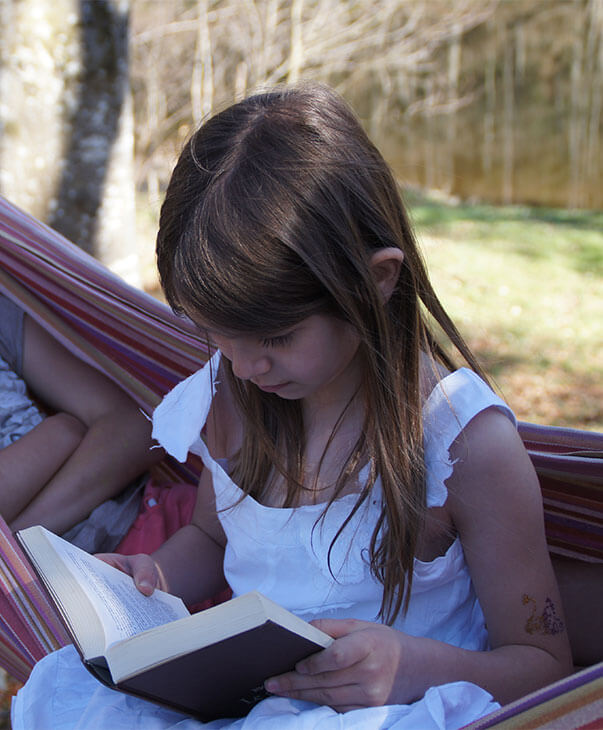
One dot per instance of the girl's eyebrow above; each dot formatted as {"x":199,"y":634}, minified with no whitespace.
{"x":270,"y":333}
{"x":210,"y":331}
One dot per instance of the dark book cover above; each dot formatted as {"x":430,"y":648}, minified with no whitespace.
{"x":224,"y":679}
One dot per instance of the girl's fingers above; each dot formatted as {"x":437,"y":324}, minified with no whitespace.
{"x":311,"y":689}
{"x":335,"y":697}
{"x":121,"y":562}
{"x":351,"y":646}
{"x":358,"y":669}
{"x":337,"y":627}
{"x":336,"y":689}
{"x":343,"y":653}
{"x":141,"y":567}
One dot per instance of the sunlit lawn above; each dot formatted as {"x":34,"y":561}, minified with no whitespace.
{"x":525,"y":287}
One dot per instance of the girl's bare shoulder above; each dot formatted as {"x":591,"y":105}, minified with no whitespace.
{"x":491,"y":465}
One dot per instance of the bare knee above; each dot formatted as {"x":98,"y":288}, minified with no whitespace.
{"x":67,"y":430}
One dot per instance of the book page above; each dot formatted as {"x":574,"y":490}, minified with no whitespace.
{"x":123,"y":610}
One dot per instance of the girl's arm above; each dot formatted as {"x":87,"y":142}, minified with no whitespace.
{"x":189,"y":564}
{"x":114,"y":449}
{"x":495,"y":503}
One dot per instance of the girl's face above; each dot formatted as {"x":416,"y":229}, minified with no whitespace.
{"x":315,"y":360}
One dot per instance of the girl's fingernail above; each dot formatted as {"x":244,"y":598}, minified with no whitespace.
{"x":271,"y":685}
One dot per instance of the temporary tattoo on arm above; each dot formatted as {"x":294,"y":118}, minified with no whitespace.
{"x":547,"y":623}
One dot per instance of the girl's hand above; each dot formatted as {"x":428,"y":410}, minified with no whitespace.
{"x":361,"y":668}
{"x":141,"y":567}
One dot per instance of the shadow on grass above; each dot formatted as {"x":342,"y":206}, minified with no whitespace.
{"x":532,"y":232}
{"x":430,"y":211}
{"x":538,"y":386}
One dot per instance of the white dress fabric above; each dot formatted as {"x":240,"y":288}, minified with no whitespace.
{"x":283,"y":553}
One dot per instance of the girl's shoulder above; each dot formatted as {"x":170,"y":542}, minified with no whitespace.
{"x":451,"y":399}
{"x":455,"y":400}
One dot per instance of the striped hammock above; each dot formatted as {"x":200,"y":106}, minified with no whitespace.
{"x":125,"y":333}
{"x":141,"y":345}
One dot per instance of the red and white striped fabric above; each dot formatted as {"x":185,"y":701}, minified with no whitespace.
{"x":127,"y":334}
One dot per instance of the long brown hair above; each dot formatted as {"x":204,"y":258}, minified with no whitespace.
{"x":271,"y":215}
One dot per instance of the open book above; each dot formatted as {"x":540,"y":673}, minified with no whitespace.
{"x":210,"y":664}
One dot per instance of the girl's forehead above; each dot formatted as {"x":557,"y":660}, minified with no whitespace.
{"x":213,"y":330}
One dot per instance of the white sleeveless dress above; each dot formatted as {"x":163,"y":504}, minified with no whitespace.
{"x":283,"y":553}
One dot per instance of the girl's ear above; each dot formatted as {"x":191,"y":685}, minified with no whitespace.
{"x":385,"y":266}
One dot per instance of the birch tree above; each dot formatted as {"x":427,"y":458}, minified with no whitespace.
{"x":67,"y":121}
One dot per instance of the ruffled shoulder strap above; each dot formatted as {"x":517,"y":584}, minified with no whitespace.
{"x":455,"y":401}
{"x":179,"y":418}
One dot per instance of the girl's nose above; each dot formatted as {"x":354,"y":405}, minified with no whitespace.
{"x":248,"y":363}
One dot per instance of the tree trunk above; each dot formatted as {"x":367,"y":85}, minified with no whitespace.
{"x":489,"y":105}
{"x":296,"y":55}
{"x":594,"y":51}
{"x":39,"y":64}
{"x":67,"y":150}
{"x":202,"y":85}
{"x":454,"y":69}
{"x":508,"y":122}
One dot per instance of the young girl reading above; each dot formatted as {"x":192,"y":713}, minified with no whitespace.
{"x":353,"y":474}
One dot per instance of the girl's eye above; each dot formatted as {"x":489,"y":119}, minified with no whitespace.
{"x":277,"y":340}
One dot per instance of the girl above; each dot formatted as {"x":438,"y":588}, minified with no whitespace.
{"x":353,"y":475}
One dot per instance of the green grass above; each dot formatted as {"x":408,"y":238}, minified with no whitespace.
{"x":571,"y":238}
{"x":524,"y":285}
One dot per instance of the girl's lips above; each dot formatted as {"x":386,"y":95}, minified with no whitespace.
{"x":272,"y":388}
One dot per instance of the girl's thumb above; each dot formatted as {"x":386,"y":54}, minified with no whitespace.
{"x":336,"y":627}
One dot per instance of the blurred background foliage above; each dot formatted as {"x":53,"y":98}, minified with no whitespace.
{"x":498,"y":100}
{"x":490,"y":112}
{"x":489,"y":100}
